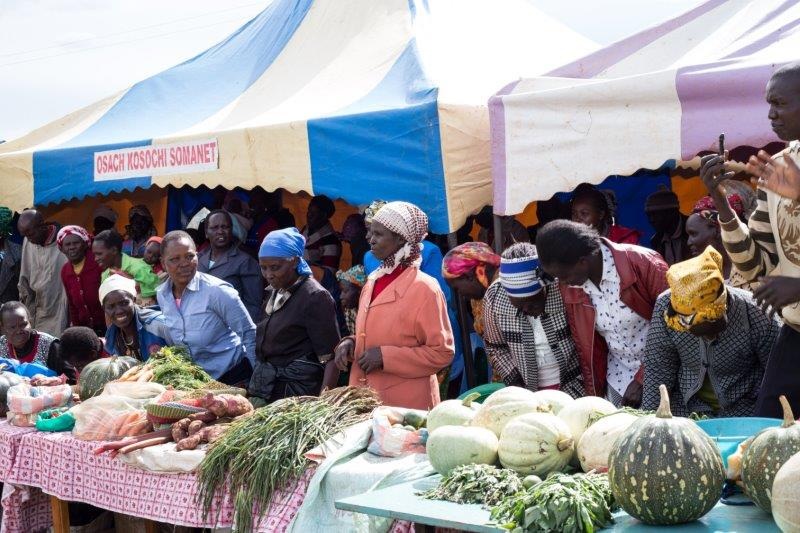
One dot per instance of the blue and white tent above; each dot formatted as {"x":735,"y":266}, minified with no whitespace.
{"x":356,"y":99}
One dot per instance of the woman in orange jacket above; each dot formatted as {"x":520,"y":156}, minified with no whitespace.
{"x":403,"y":334}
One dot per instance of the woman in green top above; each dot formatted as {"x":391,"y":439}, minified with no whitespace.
{"x":107,"y":249}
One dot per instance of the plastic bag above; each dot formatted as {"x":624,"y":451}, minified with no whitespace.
{"x":21,"y":420}
{"x":27,"y":370}
{"x":388,"y":441}
{"x":25,"y":399}
{"x":54,"y":420}
{"x":134,"y":389}
{"x":107,"y":417}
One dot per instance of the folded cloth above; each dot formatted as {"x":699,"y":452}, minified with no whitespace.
{"x":301,"y":377}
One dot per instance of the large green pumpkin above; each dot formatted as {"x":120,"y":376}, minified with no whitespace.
{"x":770,"y":449}
{"x":665,"y":470}
{"x":96,"y":374}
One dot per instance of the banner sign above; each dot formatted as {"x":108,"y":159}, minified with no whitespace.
{"x":155,"y":160}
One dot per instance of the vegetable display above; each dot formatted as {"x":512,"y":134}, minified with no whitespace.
{"x":786,"y":496}
{"x":582,"y":503}
{"x":766,"y":454}
{"x":266,"y":450}
{"x":172,"y":367}
{"x":452,"y":446}
{"x":504,"y":405}
{"x":535,"y":443}
{"x":485,"y":484}
{"x":598,"y":440}
{"x":665,"y":470}
{"x":453,"y":412}
{"x":96,"y":374}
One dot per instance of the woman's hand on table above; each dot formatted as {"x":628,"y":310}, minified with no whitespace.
{"x":371,"y":360}
{"x":343,"y":354}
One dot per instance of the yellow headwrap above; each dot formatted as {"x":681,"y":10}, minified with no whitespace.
{"x":698,"y":291}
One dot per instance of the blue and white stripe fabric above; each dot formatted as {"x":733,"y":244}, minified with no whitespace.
{"x":354,"y":99}
{"x":521,"y":277}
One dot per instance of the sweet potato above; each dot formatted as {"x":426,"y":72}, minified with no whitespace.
{"x":227,"y":405}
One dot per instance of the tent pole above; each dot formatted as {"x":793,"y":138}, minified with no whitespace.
{"x":498,"y":234}
{"x":461,"y":313}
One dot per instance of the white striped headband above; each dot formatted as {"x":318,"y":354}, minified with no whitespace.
{"x":521,"y":277}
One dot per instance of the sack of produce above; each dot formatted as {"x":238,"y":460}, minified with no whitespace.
{"x":7,"y":380}
{"x":25,"y":399}
{"x":20,"y":420}
{"x":55,"y":420}
{"x":134,"y":390}
{"x":391,"y":438}
{"x":107,"y":417}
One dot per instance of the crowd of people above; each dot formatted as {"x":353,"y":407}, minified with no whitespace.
{"x":711,"y":309}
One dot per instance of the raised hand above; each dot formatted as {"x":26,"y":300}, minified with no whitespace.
{"x":779,"y":176}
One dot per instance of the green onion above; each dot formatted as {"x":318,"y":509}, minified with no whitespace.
{"x":266,"y":451}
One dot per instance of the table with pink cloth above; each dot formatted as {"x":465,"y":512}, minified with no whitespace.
{"x":40,"y":465}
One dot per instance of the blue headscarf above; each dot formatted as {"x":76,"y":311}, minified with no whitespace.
{"x":286,"y":243}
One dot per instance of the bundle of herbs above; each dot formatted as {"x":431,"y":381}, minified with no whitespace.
{"x":474,"y":483}
{"x":172,"y":366}
{"x":266,"y":451}
{"x":581,"y":503}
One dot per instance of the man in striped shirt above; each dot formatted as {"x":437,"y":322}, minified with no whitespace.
{"x":769,"y":246}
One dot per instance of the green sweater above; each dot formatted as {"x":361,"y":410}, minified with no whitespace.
{"x":145,"y":278}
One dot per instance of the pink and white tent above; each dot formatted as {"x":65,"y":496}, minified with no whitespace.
{"x":665,"y":93}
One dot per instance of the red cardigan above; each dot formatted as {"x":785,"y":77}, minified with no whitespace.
{"x":83,"y":294}
{"x":643,"y":276}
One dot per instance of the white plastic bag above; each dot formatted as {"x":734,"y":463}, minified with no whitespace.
{"x":134,"y":389}
{"x":107,"y":417}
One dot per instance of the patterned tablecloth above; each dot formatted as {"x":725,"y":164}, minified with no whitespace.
{"x":62,"y":466}
{"x":34,"y":465}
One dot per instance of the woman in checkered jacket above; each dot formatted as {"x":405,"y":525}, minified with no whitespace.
{"x":527,"y":337}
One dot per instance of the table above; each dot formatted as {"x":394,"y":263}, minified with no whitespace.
{"x":66,"y":469}
{"x":402,"y":503}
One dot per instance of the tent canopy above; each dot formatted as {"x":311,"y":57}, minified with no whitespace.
{"x":355,"y":99}
{"x":665,"y":93}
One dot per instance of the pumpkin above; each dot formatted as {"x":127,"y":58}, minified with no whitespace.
{"x":766,"y":454}
{"x":665,"y":470}
{"x":452,"y":446}
{"x":506,"y":404}
{"x":598,"y":440}
{"x":578,"y":414}
{"x":7,"y":380}
{"x":556,"y":399}
{"x":786,"y":495}
{"x":453,"y":412}
{"x":96,"y":374}
{"x":535,"y":443}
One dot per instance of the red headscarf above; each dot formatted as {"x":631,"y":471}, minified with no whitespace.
{"x":465,"y":257}
{"x":66,"y":231}
{"x":705,"y":207}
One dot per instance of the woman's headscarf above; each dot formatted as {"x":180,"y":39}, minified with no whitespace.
{"x":706,"y":208}
{"x":141,"y":210}
{"x":286,"y":243}
{"x":356,"y":275}
{"x":372,"y":209}
{"x":411,"y":223}
{"x":464,"y":258}
{"x":115,"y":282}
{"x":66,"y":231}
{"x":6,"y":215}
{"x":697,"y":291}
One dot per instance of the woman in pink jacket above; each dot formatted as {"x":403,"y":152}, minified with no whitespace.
{"x":403,"y":335}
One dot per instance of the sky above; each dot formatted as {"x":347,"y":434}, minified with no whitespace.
{"x":57,"y":56}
